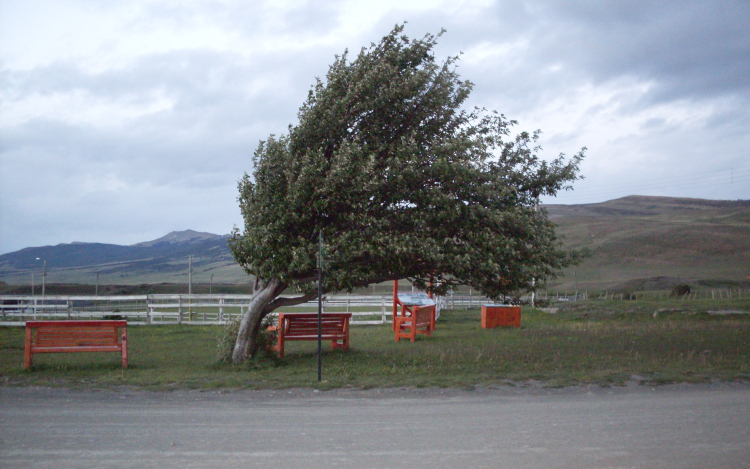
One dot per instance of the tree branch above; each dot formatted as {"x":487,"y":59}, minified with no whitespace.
{"x":282,"y":301}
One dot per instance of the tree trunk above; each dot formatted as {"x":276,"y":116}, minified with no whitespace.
{"x":250,"y":322}
{"x":265,"y":300}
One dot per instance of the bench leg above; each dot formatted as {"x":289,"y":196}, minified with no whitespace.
{"x":343,"y":345}
{"x":124,"y":347}
{"x":27,"y":350}
{"x":280,"y":345}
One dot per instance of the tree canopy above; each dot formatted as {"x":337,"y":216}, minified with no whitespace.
{"x":402,"y":181}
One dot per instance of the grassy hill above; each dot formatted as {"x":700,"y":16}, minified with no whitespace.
{"x":642,"y":242}
{"x":164,"y":260}
{"x":637,"y":243}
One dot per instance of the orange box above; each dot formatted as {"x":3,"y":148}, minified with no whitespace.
{"x":500,"y":316}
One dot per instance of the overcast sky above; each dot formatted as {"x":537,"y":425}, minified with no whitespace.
{"x":123,"y":121}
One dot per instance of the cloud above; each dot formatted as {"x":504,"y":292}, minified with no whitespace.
{"x":121,"y":122}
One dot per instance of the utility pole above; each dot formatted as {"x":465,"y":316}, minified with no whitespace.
{"x":190,"y":275}
{"x":32,"y":284}
{"x":44,"y":275}
{"x":190,"y":288}
{"x":211,"y":285}
{"x":97,"y":284}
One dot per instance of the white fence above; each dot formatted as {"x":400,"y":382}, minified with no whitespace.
{"x":192,"y":309}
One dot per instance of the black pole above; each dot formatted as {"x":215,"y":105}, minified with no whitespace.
{"x":320,"y":303}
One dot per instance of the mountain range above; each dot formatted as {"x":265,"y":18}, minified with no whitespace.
{"x":636,"y":242}
{"x":163,"y":260}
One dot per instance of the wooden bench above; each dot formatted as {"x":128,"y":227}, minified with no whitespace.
{"x":75,"y":336}
{"x":421,"y":321}
{"x":304,"y":326}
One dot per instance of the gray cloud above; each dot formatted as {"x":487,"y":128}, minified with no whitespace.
{"x":197,"y":113}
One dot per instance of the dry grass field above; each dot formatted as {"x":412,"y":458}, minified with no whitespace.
{"x":679,"y":240}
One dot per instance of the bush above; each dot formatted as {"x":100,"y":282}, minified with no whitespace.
{"x":113,"y":317}
{"x":228,"y":337}
{"x":681,"y":290}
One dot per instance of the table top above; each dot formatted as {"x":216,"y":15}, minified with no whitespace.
{"x":415,"y":299}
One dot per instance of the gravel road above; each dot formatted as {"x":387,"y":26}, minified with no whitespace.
{"x":678,"y":426}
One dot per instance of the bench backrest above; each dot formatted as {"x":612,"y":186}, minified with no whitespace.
{"x":75,"y":333}
{"x":424,"y":315}
{"x":306,"y":324}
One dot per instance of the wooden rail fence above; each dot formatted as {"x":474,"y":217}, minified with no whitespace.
{"x":196,"y":309}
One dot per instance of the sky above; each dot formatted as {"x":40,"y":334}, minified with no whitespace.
{"x":123,"y":121}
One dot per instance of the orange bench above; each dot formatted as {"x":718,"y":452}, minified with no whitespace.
{"x":304,"y":326}
{"x":75,"y":336}
{"x":421,"y":321}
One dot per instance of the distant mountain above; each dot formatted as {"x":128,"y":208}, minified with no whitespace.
{"x":163,"y":260}
{"x":76,"y":254}
{"x":178,"y":237}
{"x":636,"y":242}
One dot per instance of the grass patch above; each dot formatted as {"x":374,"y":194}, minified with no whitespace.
{"x":607,"y":343}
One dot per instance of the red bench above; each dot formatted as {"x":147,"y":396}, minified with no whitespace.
{"x":304,"y":326}
{"x":76,"y":336}
{"x":421,"y":321}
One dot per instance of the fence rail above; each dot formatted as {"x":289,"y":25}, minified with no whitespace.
{"x":196,"y":309}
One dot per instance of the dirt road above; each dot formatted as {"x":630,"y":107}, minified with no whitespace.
{"x":682,"y":426}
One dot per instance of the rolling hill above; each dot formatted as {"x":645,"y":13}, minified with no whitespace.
{"x":636,"y":243}
{"x":163,"y":260}
{"x":640,"y":242}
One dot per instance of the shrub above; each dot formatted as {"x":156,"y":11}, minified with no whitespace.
{"x":681,"y":290}
{"x":228,"y":337}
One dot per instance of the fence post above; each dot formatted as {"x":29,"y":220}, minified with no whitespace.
{"x":221,"y":309}
{"x":382,"y":310}
{"x":149,"y":309}
{"x":70,"y":308}
{"x":179,"y":309}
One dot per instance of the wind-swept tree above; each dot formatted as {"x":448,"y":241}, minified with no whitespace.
{"x":403,"y":183}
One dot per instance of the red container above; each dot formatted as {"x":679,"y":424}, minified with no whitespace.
{"x":500,"y":316}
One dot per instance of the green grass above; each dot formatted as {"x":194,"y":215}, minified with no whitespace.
{"x":593,"y":342}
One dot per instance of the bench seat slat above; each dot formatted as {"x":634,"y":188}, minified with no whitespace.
{"x":98,"y":348}
{"x":77,"y":333}
{"x":89,"y":331}
{"x":76,"y":343}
